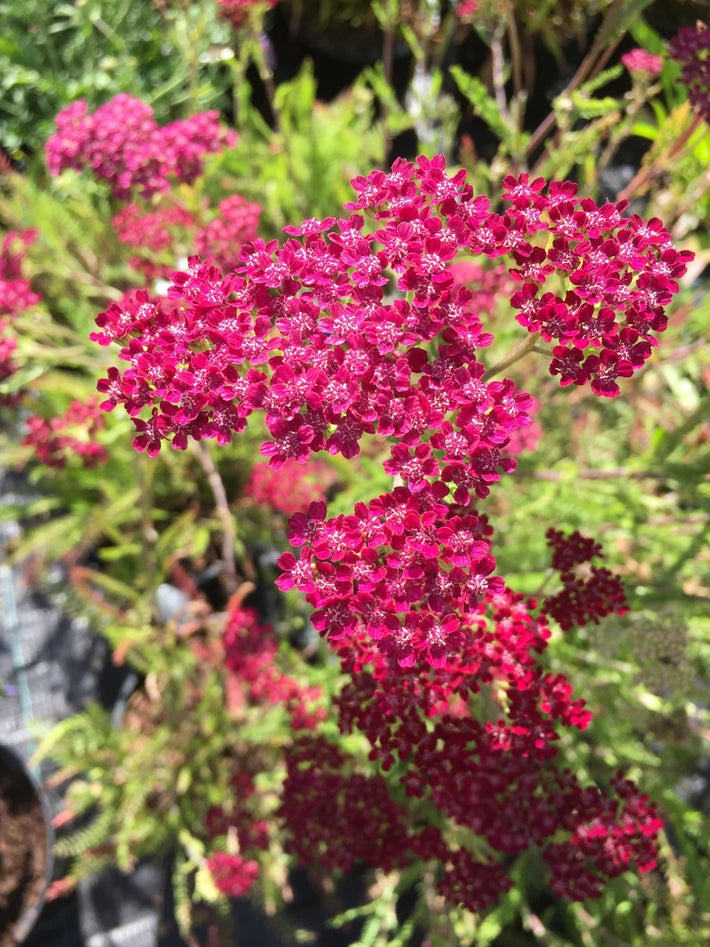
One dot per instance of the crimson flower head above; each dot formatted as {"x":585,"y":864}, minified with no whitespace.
{"x":640,"y":62}
{"x":237,"y":12}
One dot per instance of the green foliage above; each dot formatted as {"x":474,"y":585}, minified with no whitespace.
{"x":483,"y":103}
{"x":303,"y":169}
{"x":54,"y":53}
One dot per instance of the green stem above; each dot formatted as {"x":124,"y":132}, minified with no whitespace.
{"x":387,"y":68}
{"x":223,"y":512}
{"x":145,"y":474}
{"x":498,"y":75}
{"x":597,"y":57}
{"x":646,"y":175}
{"x":520,"y":351}
{"x":265,"y":74}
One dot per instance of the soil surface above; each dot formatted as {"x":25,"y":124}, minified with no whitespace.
{"x":23,"y":849}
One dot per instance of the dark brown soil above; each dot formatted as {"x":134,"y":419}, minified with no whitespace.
{"x":23,"y":848}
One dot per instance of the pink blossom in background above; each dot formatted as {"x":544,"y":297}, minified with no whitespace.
{"x":150,"y":230}
{"x":232,"y":874}
{"x":16,"y":297}
{"x":639,"y":61}
{"x":466,"y":9}
{"x":235,"y":222}
{"x":159,"y":232}
{"x":291,"y":488}
{"x":68,"y":436}
{"x":15,"y":293}
{"x":125,"y":148}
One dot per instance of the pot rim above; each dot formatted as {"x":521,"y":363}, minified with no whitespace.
{"x":13,"y":759}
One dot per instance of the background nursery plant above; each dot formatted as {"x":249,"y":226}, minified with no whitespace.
{"x":478,"y":672}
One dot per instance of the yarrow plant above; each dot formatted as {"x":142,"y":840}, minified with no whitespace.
{"x":355,"y":332}
{"x":16,"y":297}
{"x":124,"y":146}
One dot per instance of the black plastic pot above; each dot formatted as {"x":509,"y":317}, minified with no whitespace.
{"x":23,"y":797}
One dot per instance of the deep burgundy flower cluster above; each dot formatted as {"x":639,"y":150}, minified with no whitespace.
{"x":351,"y":330}
{"x":71,"y":435}
{"x":691,"y":48}
{"x":361,"y":822}
{"x":124,"y":146}
{"x":483,"y":764}
{"x":587,"y":594}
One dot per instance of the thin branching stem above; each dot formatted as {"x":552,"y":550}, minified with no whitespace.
{"x":520,"y":351}
{"x":223,"y":512}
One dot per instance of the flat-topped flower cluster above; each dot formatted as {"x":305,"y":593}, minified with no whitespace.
{"x":125,"y":147}
{"x":356,"y":328}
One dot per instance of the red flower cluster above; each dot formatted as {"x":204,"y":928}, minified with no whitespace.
{"x":466,"y":10}
{"x":250,"y":655}
{"x":124,"y":146}
{"x":236,"y":222}
{"x":614,"y":275}
{"x":691,"y":48}
{"x":233,"y":831}
{"x":239,"y":11}
{"x":55,"y":443}
{"x":343,"y":361}
{"x":349,"y":330}
{"x":492,"y":776}
{"x":406,"y":569}
{"x":232,"y":874}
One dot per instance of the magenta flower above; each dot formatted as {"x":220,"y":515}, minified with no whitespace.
{"x":640,"y":62}
{"x":124,"y":146}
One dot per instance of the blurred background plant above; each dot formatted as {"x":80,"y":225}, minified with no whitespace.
{"x":634,"y":471}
